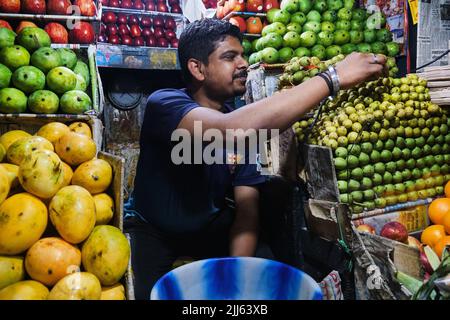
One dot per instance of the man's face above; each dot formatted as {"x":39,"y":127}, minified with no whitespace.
{"x":226,"y":72}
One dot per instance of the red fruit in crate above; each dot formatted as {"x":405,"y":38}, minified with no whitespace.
{"x":112,"y":29}
{"x":158,"y":22}
{"x":146,"y":21}
{"x":114,"y":39}
{"x":162,"y":42}
{"x":172,"y":2}
{"x":239,"y":22}
{"x":237,"y":5}
{"x":170,"y":24}
{"x":146,"y":32}
{"x":58,"y":7}
{"x":103,"y":38}
{"x":25,"y":24}
{"x":138,"y":5}
{"x":126,"y":4}
{"x":34,"y":6}
{"x":104,"y":3}
{"x":127,"y":40}
{"x":114,"y":3}
{"x":158,"y":32}
{"x":132,"y":19}
{"x":123,"y":29}
{"x":162,"y":7}
{"x":5,"y":24}
{"x":255,"y":5}
{"x":176,"y":9}
{"x":174,"y":43}
{"x":11,"y":6}
{"x":109,"y":17}
{"x":57,"y":32}
{"x":150,"y":6}
{"x":169,"y":35}
{"x":395,"y":231}
{"x":122,"y":18}
{"x":150,"y":41}
{"x":135,"y":31}
{"x":82,"y":32}
{"x":270,"y":4}
{"x":138,"y":42}
{"x":87,"y":7}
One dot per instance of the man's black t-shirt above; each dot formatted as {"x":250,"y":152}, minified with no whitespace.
{"x":184,"y":198}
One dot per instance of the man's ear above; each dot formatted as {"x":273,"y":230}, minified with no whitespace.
{"x":196,"y":69}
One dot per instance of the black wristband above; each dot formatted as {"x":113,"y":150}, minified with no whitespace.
{"x":327,"y":79}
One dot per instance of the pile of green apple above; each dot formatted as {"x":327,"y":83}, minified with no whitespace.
{"x":390,"y":143}
{"x":320,"y":28}
{"x":299,"y":70}
{"x":37,"y":78}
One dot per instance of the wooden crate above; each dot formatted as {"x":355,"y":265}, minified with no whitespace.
{"x":32,"y":122}
{"x":116,"y":191}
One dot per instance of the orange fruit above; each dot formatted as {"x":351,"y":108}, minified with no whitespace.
{"x":432,"y":234}
{"x":447,"y":189}
{"x":438,"y":209}
{"x":254,"y":25}
{"x":446,"y":223}
{"x":440,"y":245}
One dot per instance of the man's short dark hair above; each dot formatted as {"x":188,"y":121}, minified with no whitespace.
{"x":200,"y":39}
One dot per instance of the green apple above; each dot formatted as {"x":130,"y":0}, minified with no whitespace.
{"x":325,"y":38}
{"x":314,"y":15}
{"x":329,"y":15}
{"x":341,"y":37}
{"x":269,"y":55}
{"x":308,"y":39}
{"x":290,"y":6}
{"x":344,"y":14}
{"x":285,"y":54}
{"x":343,"y":25}
{"x":318,"y":51}
{"x":302,"y":52}
{"x":333,"y":51}
{"x":313,"y":26}
{"x":328,"y":26}
{"x":298,"y":17}
{"x":291,"y":39}
{"x":281,"y":16}
{"x":305,"y":6}
{"x":294,"y":26}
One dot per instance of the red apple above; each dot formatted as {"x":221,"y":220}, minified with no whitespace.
{"x":109,"y":17}
{"x":150,"y":6}
{"x":112,"y":29}
{"x":123,"y":29}
{"x":158,"y":22}
{"x":104,"y":3}
{"x":114,"y":39}
{"x":114,"y":3}
{"x":87,"y":7}
{"x":57,"y":32}
{"x":169,"y":35}
{"x":170,"y":24}
{"x":33,"y":6}
{"x":425,"y":262}
{"x":150,"y":41}
{"x":126,"y":4}
{"x":82,"y":32}
{"x":132,"y":19}
{"x":127,"y":40}
{"x":25,"y":24}
{"x":122,"y":18}
{"x":158,"y":32}
{"x":162,"y":42}
{"x":270,"y":4}
{"x":11,"y":6}
{"x":255,"y":5}
{"x":135,"y":31}
{"x":138,"y":42}
{"x":162,"y":7}
{"x":5,"y":24}
{"x":58,"y":7}
{"x":395,"y":231}
{"x":366,"y":228}
{"x":146,"y":32}
{"x":146,"y":21}
{"x":176,"y":9}
{"x":174,"y":43}
{"x":138,"y":5}
{"x":103,"y":38}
